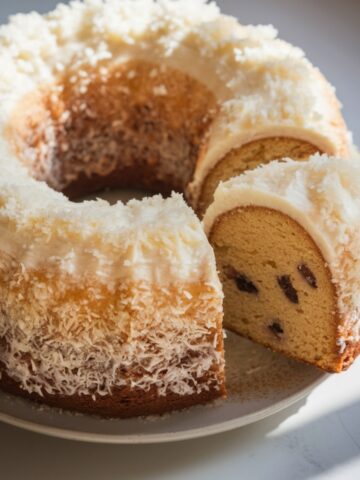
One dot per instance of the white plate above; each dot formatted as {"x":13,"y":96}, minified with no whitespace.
{"x":260,"y":383}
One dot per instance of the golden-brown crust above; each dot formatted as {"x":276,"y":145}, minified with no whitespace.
{"x":122,"y":403}
{"x":351,"y":351}
{"x":336,"y":368}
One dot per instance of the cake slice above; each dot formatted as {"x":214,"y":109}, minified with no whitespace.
{"x":287,"y":242}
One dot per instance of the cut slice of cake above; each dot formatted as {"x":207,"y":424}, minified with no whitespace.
{"x":287,"y":242}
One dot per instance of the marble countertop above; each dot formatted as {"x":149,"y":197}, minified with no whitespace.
{"x":318,"y":438}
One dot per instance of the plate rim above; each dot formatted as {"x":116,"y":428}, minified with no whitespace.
{"x":146,"y":438}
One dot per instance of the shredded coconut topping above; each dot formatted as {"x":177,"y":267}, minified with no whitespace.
{"x":87,"y":340}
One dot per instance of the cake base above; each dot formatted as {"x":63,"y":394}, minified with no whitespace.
{"x":123,"y":403}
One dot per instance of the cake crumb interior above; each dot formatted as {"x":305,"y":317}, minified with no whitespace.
{"x":278,"y":289}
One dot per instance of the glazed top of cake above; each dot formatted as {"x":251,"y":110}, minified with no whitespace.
{"x":323,"y":196}
{"x":264,"y":87}
{"x":158,"y":240}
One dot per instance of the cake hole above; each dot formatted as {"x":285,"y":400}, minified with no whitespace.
{"x":115,"y":126}
{"x":114,"y":195}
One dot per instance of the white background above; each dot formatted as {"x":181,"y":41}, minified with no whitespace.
{"x":316,"y":439}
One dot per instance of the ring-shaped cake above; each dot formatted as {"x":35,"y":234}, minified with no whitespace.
{"x":117,"y":310}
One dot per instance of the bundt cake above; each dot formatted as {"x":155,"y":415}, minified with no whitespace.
{"x":287,"y":242}
{"x":116,"y":310}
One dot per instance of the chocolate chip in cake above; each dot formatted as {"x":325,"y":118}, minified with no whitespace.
{"x":276,"y":329}
{"x":307,"y":274}
{"x":286,"y":286}
{"x":243,"y":283}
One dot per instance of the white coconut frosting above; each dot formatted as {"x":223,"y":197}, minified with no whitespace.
{"x":323,"y":196}
{"x":157,"y":240}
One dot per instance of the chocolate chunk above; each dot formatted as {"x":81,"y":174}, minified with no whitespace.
{"x":276,"y":329}
{"x":307,"y":275}
{"x":286,"y":286}
{"x":243,"y":283}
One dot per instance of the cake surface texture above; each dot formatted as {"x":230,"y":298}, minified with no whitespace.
{"x":291,"y":277}
{"x":117,"y":310}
